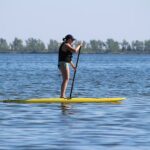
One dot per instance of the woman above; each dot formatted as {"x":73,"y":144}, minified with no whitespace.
{"x":64,"y":59}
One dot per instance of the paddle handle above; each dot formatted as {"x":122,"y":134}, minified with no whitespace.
{"x":74,"y":75}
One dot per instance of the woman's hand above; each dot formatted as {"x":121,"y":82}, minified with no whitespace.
{"x":74,"y":68}
{"x":81,"y":44}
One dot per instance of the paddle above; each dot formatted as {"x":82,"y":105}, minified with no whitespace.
{"x":75,"y":73}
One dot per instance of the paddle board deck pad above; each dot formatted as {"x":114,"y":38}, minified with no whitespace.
{"x":66,"y":100}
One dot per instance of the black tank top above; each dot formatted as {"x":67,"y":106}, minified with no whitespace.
{"x":65,"y":56}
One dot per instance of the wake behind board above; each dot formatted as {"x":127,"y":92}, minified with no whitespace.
{"x":66,"y":100}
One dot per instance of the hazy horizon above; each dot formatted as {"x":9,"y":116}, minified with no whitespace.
{"x":86,"y":19}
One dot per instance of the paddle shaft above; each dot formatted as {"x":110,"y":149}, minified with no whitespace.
{"x":74,"y":75}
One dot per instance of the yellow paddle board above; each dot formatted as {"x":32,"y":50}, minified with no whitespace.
{"x":66,"y":100}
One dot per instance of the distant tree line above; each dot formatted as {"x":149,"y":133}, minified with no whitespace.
{"x":33,"y":45}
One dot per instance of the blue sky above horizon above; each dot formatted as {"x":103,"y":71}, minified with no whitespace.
{"x":85,"y":19}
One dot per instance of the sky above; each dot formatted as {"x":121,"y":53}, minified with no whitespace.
{"x":85,"y":19}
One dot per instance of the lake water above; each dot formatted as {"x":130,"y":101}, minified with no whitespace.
{"x":122,"y":126}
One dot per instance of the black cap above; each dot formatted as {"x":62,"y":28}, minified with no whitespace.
{"x":69,"y":36}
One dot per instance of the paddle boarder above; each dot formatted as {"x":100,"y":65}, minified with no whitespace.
{"x":66,"y":50}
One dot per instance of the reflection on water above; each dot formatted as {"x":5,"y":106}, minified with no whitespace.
{"x":83,"y":126}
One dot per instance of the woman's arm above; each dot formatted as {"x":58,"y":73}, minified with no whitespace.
{"x":73,"y":66}
{"x":69,"y":47}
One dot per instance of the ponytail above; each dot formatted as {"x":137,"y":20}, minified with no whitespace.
{"x":64,"y":39}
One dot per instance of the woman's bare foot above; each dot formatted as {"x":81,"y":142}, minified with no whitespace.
{"x":65,"y":105}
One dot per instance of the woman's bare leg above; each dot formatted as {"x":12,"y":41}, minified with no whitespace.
{"x":65,"y":75}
